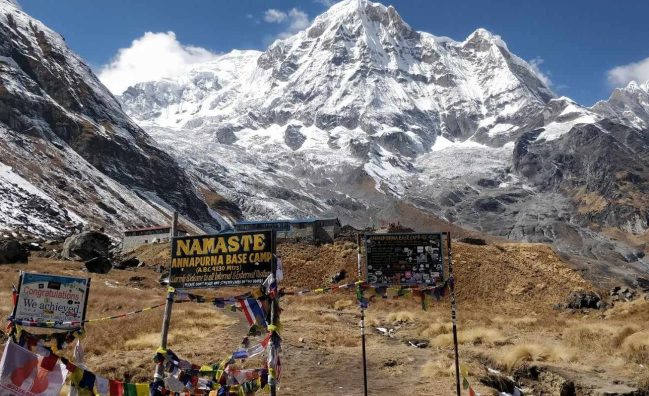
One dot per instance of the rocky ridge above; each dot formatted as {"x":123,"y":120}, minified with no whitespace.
{"x":67,"y":149}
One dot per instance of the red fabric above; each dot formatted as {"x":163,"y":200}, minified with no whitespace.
{"x":49,"y":362}
{"x":116,"y":388}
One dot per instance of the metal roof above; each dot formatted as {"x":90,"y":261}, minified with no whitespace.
{"x":156,"y":228}
{"x":291,"y":221}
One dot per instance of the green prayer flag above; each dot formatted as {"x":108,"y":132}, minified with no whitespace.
{"x":131,"y":390}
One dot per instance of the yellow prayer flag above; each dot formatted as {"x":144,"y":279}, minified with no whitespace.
{"x":142,"y":389}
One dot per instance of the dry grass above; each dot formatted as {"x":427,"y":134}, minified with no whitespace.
{"x":523,"y":321}
{"x":636,"y":347}
{"x":400,"y":317}
{"x":475,"y":336}
{"x":143,"y":341}
{"x":436,"y":329}
{"x":643,"y":382}
{"x":343,"y":303}
{"x":438,"y":368}
{"x":515,"y":356}
{"x":609,"y":339}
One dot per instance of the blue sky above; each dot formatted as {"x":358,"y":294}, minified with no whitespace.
{"x":576,"y":42}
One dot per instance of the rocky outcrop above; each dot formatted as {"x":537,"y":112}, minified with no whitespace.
{"x":86,"y":246}
{"x":12,"y":251}
{"x":601,"y":167}
{"x":66,"y":134}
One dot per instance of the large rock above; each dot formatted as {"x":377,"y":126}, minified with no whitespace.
{"x":12,"y":251}
{"x":642,"y":283}
{"x":128,"y":263}
{"x":583,"y":299}
{"x":85,"y":246}
{"x":99,"y":265}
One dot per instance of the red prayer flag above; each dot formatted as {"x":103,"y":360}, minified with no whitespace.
{"x":116,"y":388}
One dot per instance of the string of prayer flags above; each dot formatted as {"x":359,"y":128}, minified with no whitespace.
{"x":274,"y":346}
{"x":78,"y":323}
{"x":426,"y":294}
{"x":52,"y":341}
{"x":465,"y":382}
{"x":88,"y":383}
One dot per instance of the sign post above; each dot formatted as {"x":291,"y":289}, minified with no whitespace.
{"x":360,"y":274}
{"x":451,"y":280}
{"x":273,"y":385}
{"x":210,"y":261}
{"x":166,"y":319}
{"x":405,"y":259}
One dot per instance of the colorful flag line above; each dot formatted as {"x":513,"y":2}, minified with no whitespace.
{"x":399,"y":290}
{"x":52,"y":341}
{"x":52,"y":323}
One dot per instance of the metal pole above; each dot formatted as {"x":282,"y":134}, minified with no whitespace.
{"x":273,"y":385}
{"x":166,"y":319}
{"x":453,"y":312}
{"x":360,"y":274}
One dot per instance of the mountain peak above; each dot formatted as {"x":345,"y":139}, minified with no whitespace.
{"x":360,"y":12}
{"x":634,"y":86}
{"x":482,"y":35}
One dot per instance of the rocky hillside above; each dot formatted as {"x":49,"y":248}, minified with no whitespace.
{"x":69,"y":155}
{"x":360,"y":114}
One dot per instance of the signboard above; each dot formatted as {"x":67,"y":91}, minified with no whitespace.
{"x":235,"y":259}
{"x":404,"y":259}
{"x":51,"y":298}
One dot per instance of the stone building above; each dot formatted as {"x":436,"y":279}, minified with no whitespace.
{"x":137,"y":237}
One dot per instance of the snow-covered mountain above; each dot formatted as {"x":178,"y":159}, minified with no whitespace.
{"x":628,"y":105}
{"x":359,"y":89}
{"x":361,"y":117}
{"x":69,"y":155}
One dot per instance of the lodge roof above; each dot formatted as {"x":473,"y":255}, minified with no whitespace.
{"x":289,"y":221}
{"x":155,"y":228}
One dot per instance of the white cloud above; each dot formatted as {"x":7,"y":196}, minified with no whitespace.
{"x":636,"y":71}
{"x":543,"y":76}
{"x":294,"y":20}
{"x":150,"y":57}
{"x":275,"y":16}
{"x":326,"y":3}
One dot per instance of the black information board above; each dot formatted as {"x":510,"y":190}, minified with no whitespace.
{"x":404,"y":259}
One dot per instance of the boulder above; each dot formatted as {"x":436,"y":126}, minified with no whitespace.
{"x":583,"y":299}
{"x":642,"y":283}
{"x":85,"y":246}
{"x":128,"y":263}
{"x":12,"y":251}
{"x":473,"y":241}
{"x":99,"y":265}
{"x":339,"y":276}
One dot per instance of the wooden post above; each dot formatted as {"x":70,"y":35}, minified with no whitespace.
{"x":273,"y":384}
{"x":453,"y":312}
{"x":166,"y":319}
{"x":360,"y":274}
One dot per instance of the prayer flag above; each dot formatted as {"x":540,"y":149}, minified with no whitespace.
{"x":253,"y":311}
{"x":25,"y":373}
{"x":116,"y":388}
